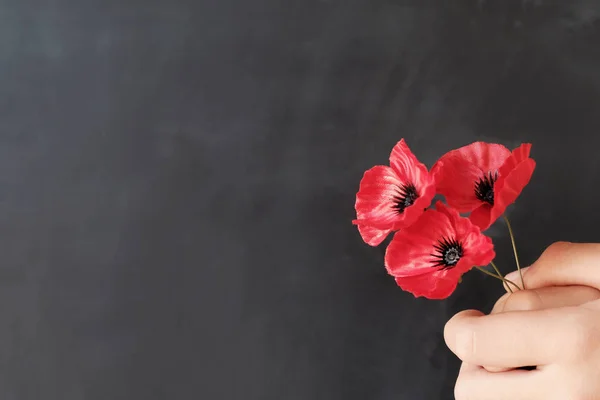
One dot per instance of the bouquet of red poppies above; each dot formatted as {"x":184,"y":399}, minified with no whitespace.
{"x":433,"y":247}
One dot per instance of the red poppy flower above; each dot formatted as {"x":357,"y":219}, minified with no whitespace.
{"x":429,"y":257}
{"x":391,"y":198}
{"x":483,"y":178}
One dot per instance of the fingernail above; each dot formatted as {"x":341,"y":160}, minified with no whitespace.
{"x":515,"y":274}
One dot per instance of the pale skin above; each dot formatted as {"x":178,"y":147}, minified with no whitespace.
{"x":554,"y":325}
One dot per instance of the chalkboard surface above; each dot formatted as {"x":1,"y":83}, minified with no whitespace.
{"x":178,"y":177}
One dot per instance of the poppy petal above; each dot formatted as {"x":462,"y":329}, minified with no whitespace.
{"x":381,"y":190}
{"x":511,"y":186}
{"x":460,"y":224}
{"x":407,"y":166}
{"x":484,"y":253}
{"x":514,"y":175}
{"x":375,"y":203}
{"x":471,"y":239}
{"x":372,"y":235}
{"x":458,"y":171}
{"x":412,"y":213}
{"x":413,"y":256}
{"x":482,"y":216}
{"x":487,"y":156}
{"x":517,"y":156}
{"x":442,"y":283}
{"x":410,"y":251}
{"x":431,"y":286}
{"x":455,"y":179}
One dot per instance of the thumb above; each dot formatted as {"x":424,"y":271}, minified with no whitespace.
{"x":563,"y":264}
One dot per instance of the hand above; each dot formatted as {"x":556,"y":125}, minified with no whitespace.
{"x":553,"y":325}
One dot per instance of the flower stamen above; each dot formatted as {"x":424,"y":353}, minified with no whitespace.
{"x":405,"y":197}
{"x":484,"y":188}
{"x":448,"y":253}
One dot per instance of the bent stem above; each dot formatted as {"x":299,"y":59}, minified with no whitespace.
{"x":495,"y":268}
{"x":501,"y":278}
{"x":514,"y":246}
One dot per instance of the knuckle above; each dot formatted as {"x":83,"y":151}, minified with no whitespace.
{"x":556,"y":249}
{"x":577,"y":392}
{"x":580,"y":389}
{"x":582,"y":394}
{"x":552,"y":258}
{"x":573,"y":383}
{"x":584,"y":336}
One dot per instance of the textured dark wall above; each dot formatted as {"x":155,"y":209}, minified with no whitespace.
{"x":177,"y":182}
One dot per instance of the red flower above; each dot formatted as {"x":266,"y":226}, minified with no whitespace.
{"x":428,"y":258}
{"x":484,"y":178}
{"x":391,"y":198}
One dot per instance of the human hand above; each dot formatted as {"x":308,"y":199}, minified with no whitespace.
{"x":555,"y":325}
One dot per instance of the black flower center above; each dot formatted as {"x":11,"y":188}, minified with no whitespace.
{"x":405,"y":196}
{"x":484,"y":188}
{"x":447,"y":253}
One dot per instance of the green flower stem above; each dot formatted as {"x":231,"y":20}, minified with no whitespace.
{"x":499,"y":277}
{"x":495,"y":268}
{"x":512,"y":239}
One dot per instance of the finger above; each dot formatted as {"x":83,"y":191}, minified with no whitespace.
{"x":546,"y":297}
{"x":465,"y":366}
{"x":476,"y":383}
{"x":564,"y":264}
{"x":538,"y":299}
{"x":511,"y":339}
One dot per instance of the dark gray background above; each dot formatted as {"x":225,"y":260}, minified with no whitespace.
{"x":177,"y":184}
